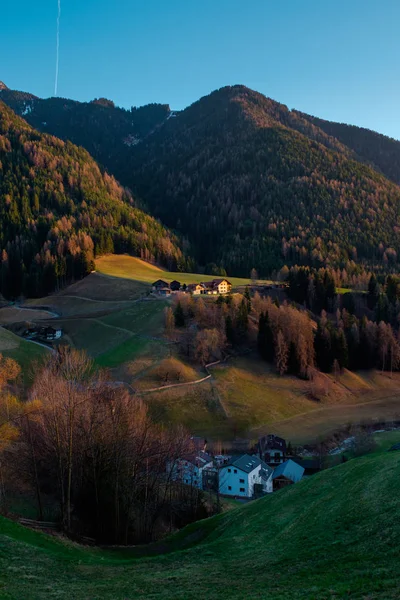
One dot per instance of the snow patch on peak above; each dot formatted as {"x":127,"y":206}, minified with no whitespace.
{"x":131,"y":140}
{"x":28,"y":108}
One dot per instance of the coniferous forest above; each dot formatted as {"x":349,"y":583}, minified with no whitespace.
{"x":242,"y":180}
{"x":59,"y":210}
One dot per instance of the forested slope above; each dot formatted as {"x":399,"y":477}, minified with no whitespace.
{"x":58,"y":209}
{"x":380,"y":150}
{"x":253,"y":184}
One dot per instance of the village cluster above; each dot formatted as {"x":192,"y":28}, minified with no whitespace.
{"x":210,"y":288}
{"x":242,"y":476}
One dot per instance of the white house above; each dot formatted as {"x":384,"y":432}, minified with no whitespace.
{"x":242,"y":473}
{"x":189,"y":469}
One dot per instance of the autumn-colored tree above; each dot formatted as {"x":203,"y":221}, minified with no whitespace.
{"x":169,"y":320}
{"x":281,"y":353}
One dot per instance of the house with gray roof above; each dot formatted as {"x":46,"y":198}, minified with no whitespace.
{"x":241,"y":474}
{"x":287,"y":473}
{"x":189,"y":468}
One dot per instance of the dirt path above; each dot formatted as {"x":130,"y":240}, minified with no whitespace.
{"x":44,"y":310}
{"x":99,"y":301}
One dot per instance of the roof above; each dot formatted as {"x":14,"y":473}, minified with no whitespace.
{"x":272,"y":442}
{"x":207,"y":284}
{"x":193,"y":286}
{"x":160,"y":282}
{"x":290,"y":470}
{"x":266,"y":472}
{"x":246,"y":463}
{"x":218,"y":281}
{"x":199,"y":459}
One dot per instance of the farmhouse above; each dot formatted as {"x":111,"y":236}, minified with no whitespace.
{"x":195,"y":288}
{"x":222,"y":285}
{"x":216,"y":286}
{"x":272,"y":449}
{"x":158,"y":285}
{"x":189,"y":469}
{"x":49,"y":333}
{"x":287,"y":473}
{"x":175,"y":286}
{"x":240,"y":476}
{"x":44,"y":333}
{"x":208,"y":288}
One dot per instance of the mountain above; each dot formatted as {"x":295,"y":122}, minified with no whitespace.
{"x":3,"y":86}
{"x":58,"y":209}
{"x":379,"y":150}
{"x":249,"y":182}
{"x":334,"y":535}
{"x":105,"y":131}
{"x":254,"y":184}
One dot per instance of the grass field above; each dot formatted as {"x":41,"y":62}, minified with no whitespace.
{"x":246,"y":398}
{"x":69,"y":306}
{"x":129,"y":267}
{"x":25,"y":353}
{"x":333,"y":536}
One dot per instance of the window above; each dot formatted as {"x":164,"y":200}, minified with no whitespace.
{"x":242,"y":489}
{"x":229,"y":471}
{"x":229,"y":487}
{"x":235,"y":470}
{"x":241,"y":480}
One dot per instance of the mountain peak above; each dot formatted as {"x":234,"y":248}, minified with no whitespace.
{"x":3,"y":86}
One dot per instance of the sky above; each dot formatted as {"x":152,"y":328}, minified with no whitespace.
{"x":335,"y":59}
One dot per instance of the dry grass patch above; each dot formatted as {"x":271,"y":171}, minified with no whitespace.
{"x":11,"y":314}
{"x":196,"y":407}
{"x":168,"y":371}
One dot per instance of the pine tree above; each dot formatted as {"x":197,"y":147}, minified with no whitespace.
{"x":229,"y":330}
{"x":179,"y":315}
{"x":248,"y":298}
{"x":242,"y":319}
{"x":373,"y":292}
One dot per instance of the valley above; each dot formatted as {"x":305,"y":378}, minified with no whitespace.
{"x":111,"y":316}
{"x":199,"y":300}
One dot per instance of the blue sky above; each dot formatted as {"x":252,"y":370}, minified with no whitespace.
{"x":336,"y":59}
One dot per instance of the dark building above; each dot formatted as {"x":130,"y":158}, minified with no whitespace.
{"x":175,"y":286}
{"x":272,"y":449}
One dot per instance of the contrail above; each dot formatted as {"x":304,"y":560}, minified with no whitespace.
{"x":58,"y":46}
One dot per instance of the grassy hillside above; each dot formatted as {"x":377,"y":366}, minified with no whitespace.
{"x":133,"y":268}
{"x":332,"y":536}
{"x":25,"y":353}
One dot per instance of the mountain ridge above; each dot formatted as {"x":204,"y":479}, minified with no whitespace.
{"x":249,"y":182}
{"x":58,"y":209}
